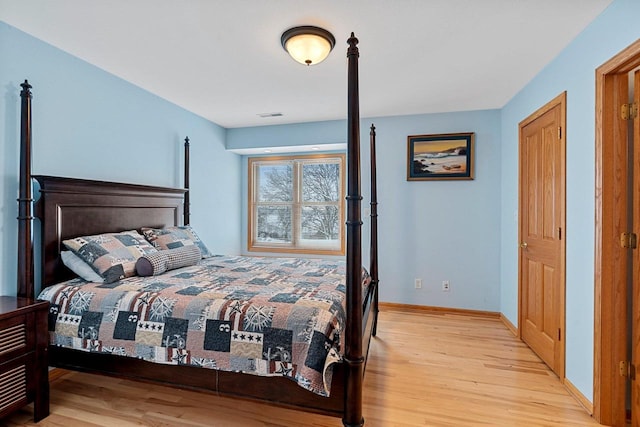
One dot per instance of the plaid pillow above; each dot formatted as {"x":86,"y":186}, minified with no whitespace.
{"x":112,"y":255}
{"x":175,"y":237}
{"x":170,"y":259}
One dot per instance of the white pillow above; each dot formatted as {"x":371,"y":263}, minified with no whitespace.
{"x":81,"y":268}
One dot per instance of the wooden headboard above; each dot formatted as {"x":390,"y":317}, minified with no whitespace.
{"x":71,"y":207}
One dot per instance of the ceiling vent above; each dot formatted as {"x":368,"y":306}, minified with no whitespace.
{"x":264,"y":115}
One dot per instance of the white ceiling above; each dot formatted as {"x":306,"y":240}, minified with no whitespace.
{"x":222,"y":59}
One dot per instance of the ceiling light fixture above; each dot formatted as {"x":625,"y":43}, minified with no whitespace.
{"x":308,"y":45}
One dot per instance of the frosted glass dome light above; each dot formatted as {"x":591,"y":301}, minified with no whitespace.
{"x":308,"y":45}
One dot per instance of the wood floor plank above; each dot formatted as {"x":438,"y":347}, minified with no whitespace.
{"x":424,"y":369}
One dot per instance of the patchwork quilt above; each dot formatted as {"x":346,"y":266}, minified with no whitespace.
{"x":262,"y":316}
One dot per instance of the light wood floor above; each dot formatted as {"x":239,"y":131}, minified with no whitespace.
{"x":423,"y":370}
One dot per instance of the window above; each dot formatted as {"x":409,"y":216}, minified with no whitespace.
{"x":296,"y":204}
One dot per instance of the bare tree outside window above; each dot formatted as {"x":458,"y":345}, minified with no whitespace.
{"x":320,"y":183}
{"x":274,"y":224}
{"x":276,"y":183}
{"x":297,"y":204}
{"x":274,"y":221}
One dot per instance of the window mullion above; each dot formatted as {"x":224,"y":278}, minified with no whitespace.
{"x":296,"y":209}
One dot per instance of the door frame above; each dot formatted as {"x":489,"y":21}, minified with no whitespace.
{"x":610,"y":287}
{"x":560,"y":100}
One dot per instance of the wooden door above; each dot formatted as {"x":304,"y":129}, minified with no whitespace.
{"x":635,"y":254}
{"x":542,"y":216}
{"x":614,"y":190}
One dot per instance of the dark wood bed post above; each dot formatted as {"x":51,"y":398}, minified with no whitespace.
{"x":25,"y":218}
{"x":373,"y":261}
{"x":187,"y":208}
{"x":353,"y":356}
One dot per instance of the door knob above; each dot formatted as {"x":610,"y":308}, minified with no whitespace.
{"x":524,"y":245}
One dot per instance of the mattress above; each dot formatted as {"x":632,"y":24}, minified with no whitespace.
{"x":262,"y":316}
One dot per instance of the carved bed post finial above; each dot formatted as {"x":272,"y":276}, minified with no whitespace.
{"x":353,"y":45}
{"x":187,"y":207}
{"x":353,"y":354}
{"x":26,"y":88}
{"x":25,"y":236}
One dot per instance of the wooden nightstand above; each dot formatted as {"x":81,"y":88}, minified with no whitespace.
{"x":24,"y":370}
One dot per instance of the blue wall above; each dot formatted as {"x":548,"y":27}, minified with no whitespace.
{"x":89,"y":124}
{"x":436,"y":230}
{"x":574,"y":71}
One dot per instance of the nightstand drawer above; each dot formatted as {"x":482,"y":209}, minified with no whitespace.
{"x":24,"y":356}
{"x":14,"y":384}
{"x":14,"y":339}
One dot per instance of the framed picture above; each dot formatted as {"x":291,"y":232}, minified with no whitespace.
{"x":438,"y":157}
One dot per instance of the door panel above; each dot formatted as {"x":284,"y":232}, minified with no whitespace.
{"x":541,"y":223}
{"x":539,"y":327}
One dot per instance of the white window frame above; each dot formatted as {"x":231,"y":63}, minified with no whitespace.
{"x":297,"y":245}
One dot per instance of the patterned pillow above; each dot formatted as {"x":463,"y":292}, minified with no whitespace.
{"x":112,"y":255}
{"x":170,"y":259}
{"x":175,"y":237}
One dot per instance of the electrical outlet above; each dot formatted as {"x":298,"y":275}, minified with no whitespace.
{"x":445,"y":286}
{"x":418,"y":283}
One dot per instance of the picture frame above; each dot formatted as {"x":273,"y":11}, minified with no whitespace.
{"x":447,"y":156}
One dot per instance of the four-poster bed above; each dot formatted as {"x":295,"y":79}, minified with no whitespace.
{"x":73,"y":207}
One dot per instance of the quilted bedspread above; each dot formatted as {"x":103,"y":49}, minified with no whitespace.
{"x":262,"y":316}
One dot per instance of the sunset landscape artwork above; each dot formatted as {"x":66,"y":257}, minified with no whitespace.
{"x":446,"y":156}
